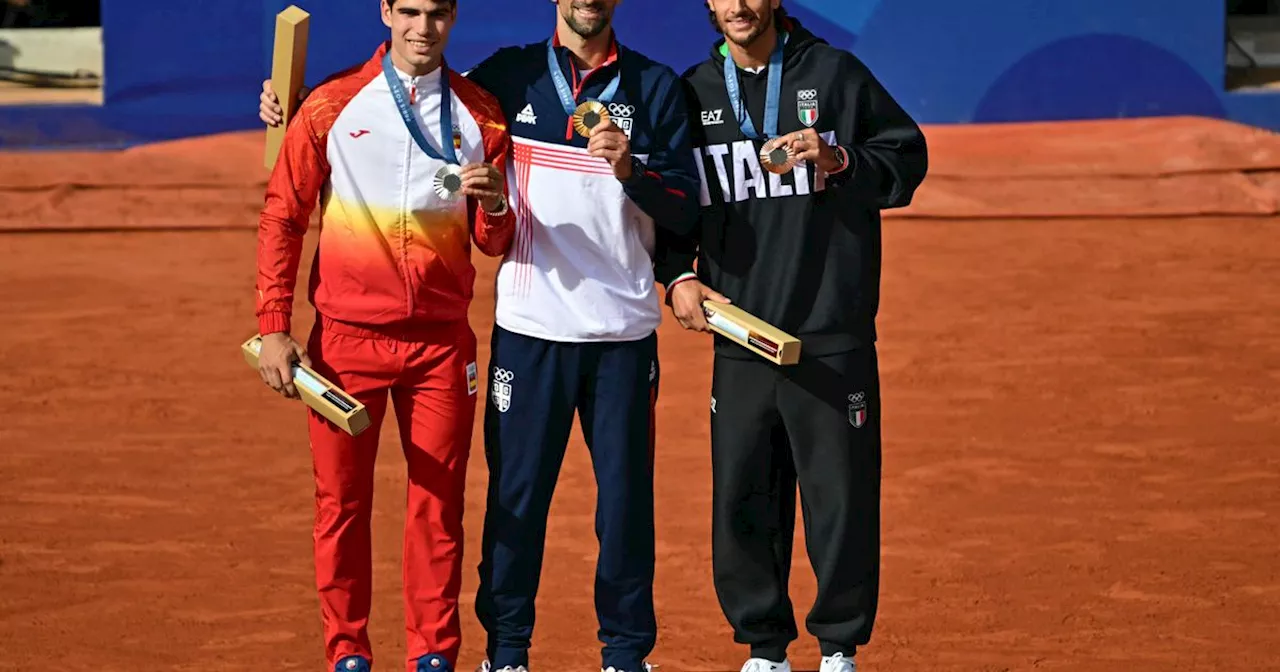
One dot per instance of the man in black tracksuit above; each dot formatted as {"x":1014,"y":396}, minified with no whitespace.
{"x":800,"y":250}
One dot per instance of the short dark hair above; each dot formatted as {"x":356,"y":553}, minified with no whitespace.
{"x":392,"y":3}
{"x":779,"y":17}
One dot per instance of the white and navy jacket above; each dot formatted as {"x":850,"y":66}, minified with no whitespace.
{"x":581,"y":266}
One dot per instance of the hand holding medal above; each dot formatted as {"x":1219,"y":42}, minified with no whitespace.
{"x":607,"y":141}
{"x":807,"y":145}
{"x":483,"y":182}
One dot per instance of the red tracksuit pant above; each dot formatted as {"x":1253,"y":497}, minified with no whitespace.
{"x":429,"y":375}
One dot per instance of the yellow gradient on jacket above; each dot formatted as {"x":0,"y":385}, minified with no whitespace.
{"x":366,"y":234}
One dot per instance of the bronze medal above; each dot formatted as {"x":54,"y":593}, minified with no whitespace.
{"x":777,"y":157}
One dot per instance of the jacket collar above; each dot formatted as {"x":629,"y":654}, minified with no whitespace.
{"x":572,"y":70}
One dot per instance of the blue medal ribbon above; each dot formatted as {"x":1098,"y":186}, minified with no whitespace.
{"x":411,"y":122}
{"x":771,"y":101}
{"x":567,"y":100}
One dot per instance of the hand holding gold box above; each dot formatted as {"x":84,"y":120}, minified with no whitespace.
{"x":324,"y":397}
{"x":752,"y":333}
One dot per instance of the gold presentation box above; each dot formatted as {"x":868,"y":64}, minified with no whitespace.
{"x":752,"y":333}
{"x":288,"y":68}
{"x":324,"y":397}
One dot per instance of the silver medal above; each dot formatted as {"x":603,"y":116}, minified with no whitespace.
{"x":448,"y":182}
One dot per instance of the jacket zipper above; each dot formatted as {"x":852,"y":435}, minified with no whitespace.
{"x":404,"y":210}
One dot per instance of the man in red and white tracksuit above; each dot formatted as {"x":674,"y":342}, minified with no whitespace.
{"x":391,"y":283}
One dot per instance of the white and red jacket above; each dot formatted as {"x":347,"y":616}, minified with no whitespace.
{"x":581,"y":266}
{"x":391,"y":252}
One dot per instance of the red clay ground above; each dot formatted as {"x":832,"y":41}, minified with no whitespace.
{"x":1081,"y":472}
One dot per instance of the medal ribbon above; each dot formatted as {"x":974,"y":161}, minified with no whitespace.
{"x":771,"y":101}
{"x":567,"y":99}
{"x":410,"y":122}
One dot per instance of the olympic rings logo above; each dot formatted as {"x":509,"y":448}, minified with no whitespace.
{"x":621,"y":109}
{"x":503,"y":375}
{"x":806,"y":94}
{"x":855,"y":398}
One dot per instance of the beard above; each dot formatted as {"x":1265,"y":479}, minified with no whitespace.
{"x":762,"y":24}
{"x":591,"y":29}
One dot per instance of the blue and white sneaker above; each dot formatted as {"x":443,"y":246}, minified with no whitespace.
{"x":837,"y":663}
{"x":433,"y":662}
{"x":352,"y":664}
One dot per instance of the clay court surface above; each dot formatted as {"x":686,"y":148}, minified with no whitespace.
{"x":1081,"y":423}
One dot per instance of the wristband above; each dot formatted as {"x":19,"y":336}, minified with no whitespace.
{"x":688,"y":275}
{"x":844,"y":159}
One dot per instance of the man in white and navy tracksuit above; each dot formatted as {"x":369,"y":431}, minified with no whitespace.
{"x":577,"y":310}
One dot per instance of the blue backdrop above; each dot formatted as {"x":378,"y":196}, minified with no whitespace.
{"x":186,"y":67}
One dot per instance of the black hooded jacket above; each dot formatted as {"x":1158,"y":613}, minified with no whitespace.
{"x":801,"y":250}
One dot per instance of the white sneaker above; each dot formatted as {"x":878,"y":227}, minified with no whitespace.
{"x":486,"y":667}
{"x":837,"y":663}
{"x":763,"y":665}
{"x":647,"y":668}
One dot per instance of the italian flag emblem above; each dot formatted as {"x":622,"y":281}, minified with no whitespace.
{"x":807,"y":106}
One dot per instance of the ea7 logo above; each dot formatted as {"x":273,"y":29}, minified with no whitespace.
{"x":712,"y":117}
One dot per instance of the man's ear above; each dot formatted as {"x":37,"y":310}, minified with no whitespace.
{"x":386,"y":14}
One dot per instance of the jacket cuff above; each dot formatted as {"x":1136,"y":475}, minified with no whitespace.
{"x":635,"y":186}
{"x":845,"y":154}
{"x":845,"y":174}
{"x":273,"y":322}
{"x":506,"y":203}
{"x":683,"y":277}
{"x":690,"y":275}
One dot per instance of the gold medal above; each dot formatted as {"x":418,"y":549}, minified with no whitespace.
{"x":589,"y":115}
{"x":777,"y":157}
{"x":448,"y":182}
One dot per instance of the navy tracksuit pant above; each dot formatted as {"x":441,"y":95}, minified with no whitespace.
{"x":535,"y":386}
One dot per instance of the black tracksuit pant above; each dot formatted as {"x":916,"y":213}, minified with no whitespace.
{"x":816,"y":423}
